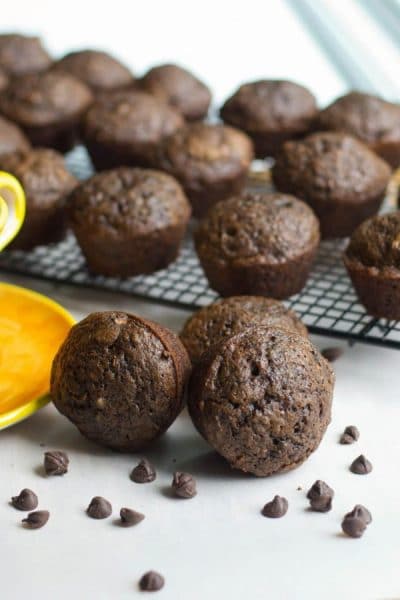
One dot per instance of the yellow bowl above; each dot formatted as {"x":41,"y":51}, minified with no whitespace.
{"x":12,"y":208}
{"x":32,"y":327}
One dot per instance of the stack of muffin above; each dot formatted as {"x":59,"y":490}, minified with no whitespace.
{"x":159,"y":162}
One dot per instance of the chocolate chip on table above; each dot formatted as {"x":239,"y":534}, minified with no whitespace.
{"x":349,"y":435}
{"x":130,"y":517}
{"x":99,"y":508}
{"x":360,"y":512}
{"x":26,"y":500}
{"x":332,"y":354}
{"x":151,"y":582}
{"x":353,"y":526}
{"x":37,"y":519}
{"x":144,"y":472}
{"x":184,"y":485}
{"x":275,"y":509}
{"x":56,"y":462}
{"x":320,"y":496}
{"x":361,"y":465}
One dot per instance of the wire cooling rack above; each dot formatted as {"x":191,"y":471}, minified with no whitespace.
{"x":327,"y":304}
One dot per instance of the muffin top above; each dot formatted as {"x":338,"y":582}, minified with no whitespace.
{"x":99,"y":70}
{"x":127,"y":199}
{"x":12,"y":139}
{"x":4,"y":80}
{"x":268,"y":228}
{"x":21,"y":54}
{"x":329,"y":167}
{"x":376,"y":242}
{"x":212,"y":324}
{"x":179,"y":88}
{"x":269,"y":106}
{"x":367,"y":117}
{"x":42,"y":99}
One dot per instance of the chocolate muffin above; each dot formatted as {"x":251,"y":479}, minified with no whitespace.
{"x":210,"y":161}
{"x":261,"y":244}
{"x":338,"y":176}
{"x":120,"y":379}
{"x":373,"y":120}
{"x":129,"y":221}
{"x":12,"y":139}
{"x":372,"y":259}
{"x":271,"y":112}
{"x":21,"y":54}
{"x":48,"y":106}
{"x":47,"y":183}
{"x":99,"y":70}
{"x":179,"y":88}
{"x":262,"y":399}
{"x":126,"y":128}
{"x":4,"y":80}
{"x":212,"y":324}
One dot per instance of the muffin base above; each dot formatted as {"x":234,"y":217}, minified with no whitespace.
{"x":60,"y":137}
{"x":202,"y":198}
{"x":110,"y":156}
{"x":41,"y":227}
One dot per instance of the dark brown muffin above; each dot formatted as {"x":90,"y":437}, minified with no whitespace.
{"x":48,"y":106}
{"x":4,"y":80}
{"x":12,"y":139}
{"x":213,"y":324}
{"x":270,"y":112}
{"x":126,"y":128}
{"x":262,"y":399}
{"x":21,"y":54}
{"x":210,"y":161}
{"x":341,"y":179}
{"x":372,"y":259}
{"x":261,"y":244}
{"x":99,"y":70}
{"x":129,"y":221}
{"x":179,"y":88}
{"x":369,"y":118}
{"x":120,"y":379}
{"x":47,"y":183}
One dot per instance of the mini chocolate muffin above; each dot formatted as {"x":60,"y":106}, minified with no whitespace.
{"x":48,"y":107}
{"x":210,"y":161}
{"x":373,"y":120}
{"x":120,"y":379}
{"x":4,"y":80}
{"x":21,"y":54}
{"x":271,"y":112}
{"x":129,"y":221}
{"x":261,"y":244}
{"x":125,"y":129}
{"x":262,"y":399}
{"x":47,"y":183}
{"x":372,"y":259}
{"x":179,"y":88}
{"x":213,"y":324}
{"x":99,"y":70}
{"x":12,"y":139}
{"x":338,"y":176}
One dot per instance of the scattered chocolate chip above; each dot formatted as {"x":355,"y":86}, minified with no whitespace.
{"x":332,"y":354}
{"x":320,"y":496}
{"x":275,"y":509}
{"x":184,"y":485}
{"x":361,"y":465}
{"x":99,"y":508}
{"x":37,"y":519}
{"x":151,"y":582}
{"x":130,"y":517}
{"x":353,"y":526}
{"x":361,"y":512}
{"x":56,"y":462}
{"x":144,"y":472}
{"x":349,"y":435}
{"x":27,"y":500}
{"x":299,"y":488}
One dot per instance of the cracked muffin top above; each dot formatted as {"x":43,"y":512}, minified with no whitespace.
{"x":376,"y":242}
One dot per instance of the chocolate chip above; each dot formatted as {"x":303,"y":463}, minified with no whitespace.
{"x":99,"y":508}
{"x":184,"y":485}
{"x":144,"y":472}
{"x":151,"y":582}
{"x":130,"y":517}
{"x":56,"y":462}
{"x":27,"y":500}
{"x":361,"y":512}
{"x":37,"y":519}
{"x":353,"y":526}
{"x":332,"y":354}
{"x":320,"y":496}
{"x":349,"y":435}
{"x":275,"y":509}
{"x":361,"y":465}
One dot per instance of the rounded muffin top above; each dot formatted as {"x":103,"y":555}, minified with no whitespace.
{"x":376,"y":242}
{"x":21,"y":54}
{"x":12,"y":139}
